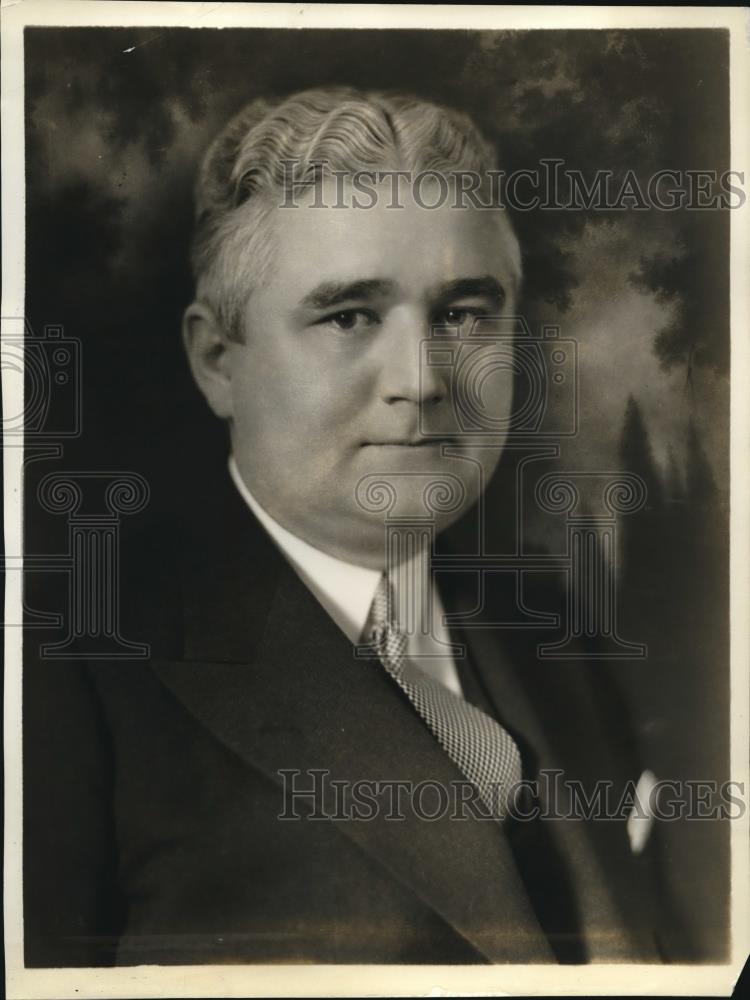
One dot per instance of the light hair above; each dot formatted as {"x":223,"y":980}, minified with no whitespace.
{"x":248,"y":163}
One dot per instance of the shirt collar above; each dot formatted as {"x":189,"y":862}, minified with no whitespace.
{"x":344,"y":589}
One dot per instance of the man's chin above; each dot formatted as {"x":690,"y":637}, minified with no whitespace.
{"x":417,"y":483}
{"x":425,"y":501}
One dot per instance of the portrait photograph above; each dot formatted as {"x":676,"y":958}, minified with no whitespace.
{"x":376,"y":503}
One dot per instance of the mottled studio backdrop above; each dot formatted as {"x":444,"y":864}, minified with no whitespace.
{"x":116,"y":121}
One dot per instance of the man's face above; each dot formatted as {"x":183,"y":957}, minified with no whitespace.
{"x":329,"y":390}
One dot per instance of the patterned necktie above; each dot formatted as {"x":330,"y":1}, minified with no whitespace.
{"x":481,"y":749}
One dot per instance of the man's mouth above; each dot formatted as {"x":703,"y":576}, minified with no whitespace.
{"x":418,"y":442}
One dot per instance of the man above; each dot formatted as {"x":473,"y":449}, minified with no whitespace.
{"x":190,"y":809}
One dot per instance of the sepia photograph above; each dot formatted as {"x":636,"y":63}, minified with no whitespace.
{"x":376,"y":501}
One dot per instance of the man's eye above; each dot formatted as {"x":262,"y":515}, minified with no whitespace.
{"x":457,"y":317}
{"x":350,"y":320}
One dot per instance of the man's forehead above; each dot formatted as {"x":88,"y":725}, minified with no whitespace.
{"x":397,"y":244}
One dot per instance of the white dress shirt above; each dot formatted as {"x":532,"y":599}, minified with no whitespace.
{"x":346,"y":592}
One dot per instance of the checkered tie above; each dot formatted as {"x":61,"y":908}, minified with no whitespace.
{"x":482,"y":750}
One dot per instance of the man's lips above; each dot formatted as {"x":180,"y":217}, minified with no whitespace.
{"x":421,"y":442}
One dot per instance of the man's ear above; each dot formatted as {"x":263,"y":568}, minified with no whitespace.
{"x":207,"y":347}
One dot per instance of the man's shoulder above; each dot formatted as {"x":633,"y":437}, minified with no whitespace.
{"x":190,"y":554}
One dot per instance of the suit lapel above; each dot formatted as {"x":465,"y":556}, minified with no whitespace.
{"x":552,"y":710}
{"x":278,"y":683}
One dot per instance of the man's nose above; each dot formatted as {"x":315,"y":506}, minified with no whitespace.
{"x":404,"y":375}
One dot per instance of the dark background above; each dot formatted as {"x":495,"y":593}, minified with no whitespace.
{"x":116,"y":120}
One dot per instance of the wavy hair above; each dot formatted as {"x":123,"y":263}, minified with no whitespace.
{"x":347,"y":129}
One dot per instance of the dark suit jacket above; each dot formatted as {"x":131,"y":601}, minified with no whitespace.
{"x":152,"y":789}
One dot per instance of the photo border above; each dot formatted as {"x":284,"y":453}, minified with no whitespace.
{"x":351,"y":980}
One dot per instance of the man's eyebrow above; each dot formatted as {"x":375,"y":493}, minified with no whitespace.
{"x":333,"y":293}
{"x":462,"y":288}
